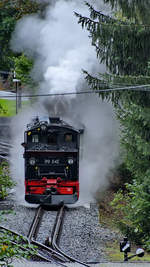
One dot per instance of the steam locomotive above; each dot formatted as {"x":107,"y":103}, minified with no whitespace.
{"x":51,"y":153}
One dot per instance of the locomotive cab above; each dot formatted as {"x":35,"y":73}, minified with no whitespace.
{"x":51,"y":153}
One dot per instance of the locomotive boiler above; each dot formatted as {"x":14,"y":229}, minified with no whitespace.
{"x":51,"y":155}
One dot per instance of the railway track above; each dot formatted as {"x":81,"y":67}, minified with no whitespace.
{"x":49,"y":254}
{"x":55,"y":237}
{"x":5,"y":136}
{"x":4,"y":150}
{"x":48,"y":250}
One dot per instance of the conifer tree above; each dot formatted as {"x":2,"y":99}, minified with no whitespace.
{"x":122,"y":43}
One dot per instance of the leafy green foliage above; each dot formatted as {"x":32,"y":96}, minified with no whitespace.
{"x":23,"y":66}
{"x":5,"y":180}
{"x":10,"y":12}
{"x":7,"y":24}
{"x":134,"y":211}
{"x":2,"y":109}
{"x":4,"y":213}
{"x":13,"y":246}
{"x":8,"y":107}
{"x":24,"y":7}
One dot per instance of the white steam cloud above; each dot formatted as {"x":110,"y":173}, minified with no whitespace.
{"x":59,"y":44}
{"x":99,"y":145}
{"x":60,"y":49}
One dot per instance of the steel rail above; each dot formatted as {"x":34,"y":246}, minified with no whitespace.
{"x":2,"y":157}
{"x":13,"y":232}
{"x":35,"y":224}
{"x":54,"y":254}
{"x":3,"y":153}
{"x":32,"y":240}
{"x":25,"y":239}
{"x":5,"y":144}
{"x":37,"y":254}
{"x":4,"y":150}
{"x":55,"y":236}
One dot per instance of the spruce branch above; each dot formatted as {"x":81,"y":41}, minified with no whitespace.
{"x":94,"y":14}
{"x":87,"y":22}
{"x":101,"y":84}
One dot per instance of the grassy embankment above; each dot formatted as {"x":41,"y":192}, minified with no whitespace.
{"x":9,"y":106}
{"x":108,"y":219}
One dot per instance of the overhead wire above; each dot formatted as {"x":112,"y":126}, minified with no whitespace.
{"x":130,"y":88}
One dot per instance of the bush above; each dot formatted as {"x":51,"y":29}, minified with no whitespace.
{"x":13,"y":246}
{"x":3,"y":110}
{"x":5,"y":180}
{"x":119,"y":176}
{"x":132,"y":210}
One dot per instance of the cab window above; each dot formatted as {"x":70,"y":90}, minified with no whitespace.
{"x":35,"y":138}
{"x":68,"y":138}
{"x":52,"y":139}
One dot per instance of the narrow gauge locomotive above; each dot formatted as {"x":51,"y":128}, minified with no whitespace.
{"x":51,"y":153}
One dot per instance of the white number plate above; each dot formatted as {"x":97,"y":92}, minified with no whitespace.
{"x":51,"y":161}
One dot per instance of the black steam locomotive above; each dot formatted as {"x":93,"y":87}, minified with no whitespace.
{"x":51,"y":162}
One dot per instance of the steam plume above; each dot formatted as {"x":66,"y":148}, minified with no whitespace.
{"x":60,"y":49}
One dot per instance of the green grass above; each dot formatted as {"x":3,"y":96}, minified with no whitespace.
{"x":10,"y":107}
{"x":113,"y":253}
{"x":108,"y":219}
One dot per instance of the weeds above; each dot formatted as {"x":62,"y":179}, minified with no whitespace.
{"x":5,"y":180}
{"x":13,"y":246}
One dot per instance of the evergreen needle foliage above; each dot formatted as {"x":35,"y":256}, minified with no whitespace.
{"x":122,"y":44}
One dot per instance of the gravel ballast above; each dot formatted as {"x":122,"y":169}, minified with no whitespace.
{"x":81,"y":237}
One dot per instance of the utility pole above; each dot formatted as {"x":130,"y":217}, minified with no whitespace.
{"x":19,"y":95}
{"x":16,"y":81}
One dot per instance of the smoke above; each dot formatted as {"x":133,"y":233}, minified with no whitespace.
{"x":58,"y":44}
{"x":18,"y":126}
{"x":99,"y":144}
{"x":60,"y":49}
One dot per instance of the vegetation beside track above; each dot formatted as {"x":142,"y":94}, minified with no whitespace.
{"x":122,"y":44}
{"x":111,"y":215}
{"x":8,"y":107}
{"x":112,"y":252}
{"x":6,"y":182}
{"x":13,"y":246}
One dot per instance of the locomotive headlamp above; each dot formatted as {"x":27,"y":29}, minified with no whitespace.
{"x":70,"y":161}
{"x":32,"y":161}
